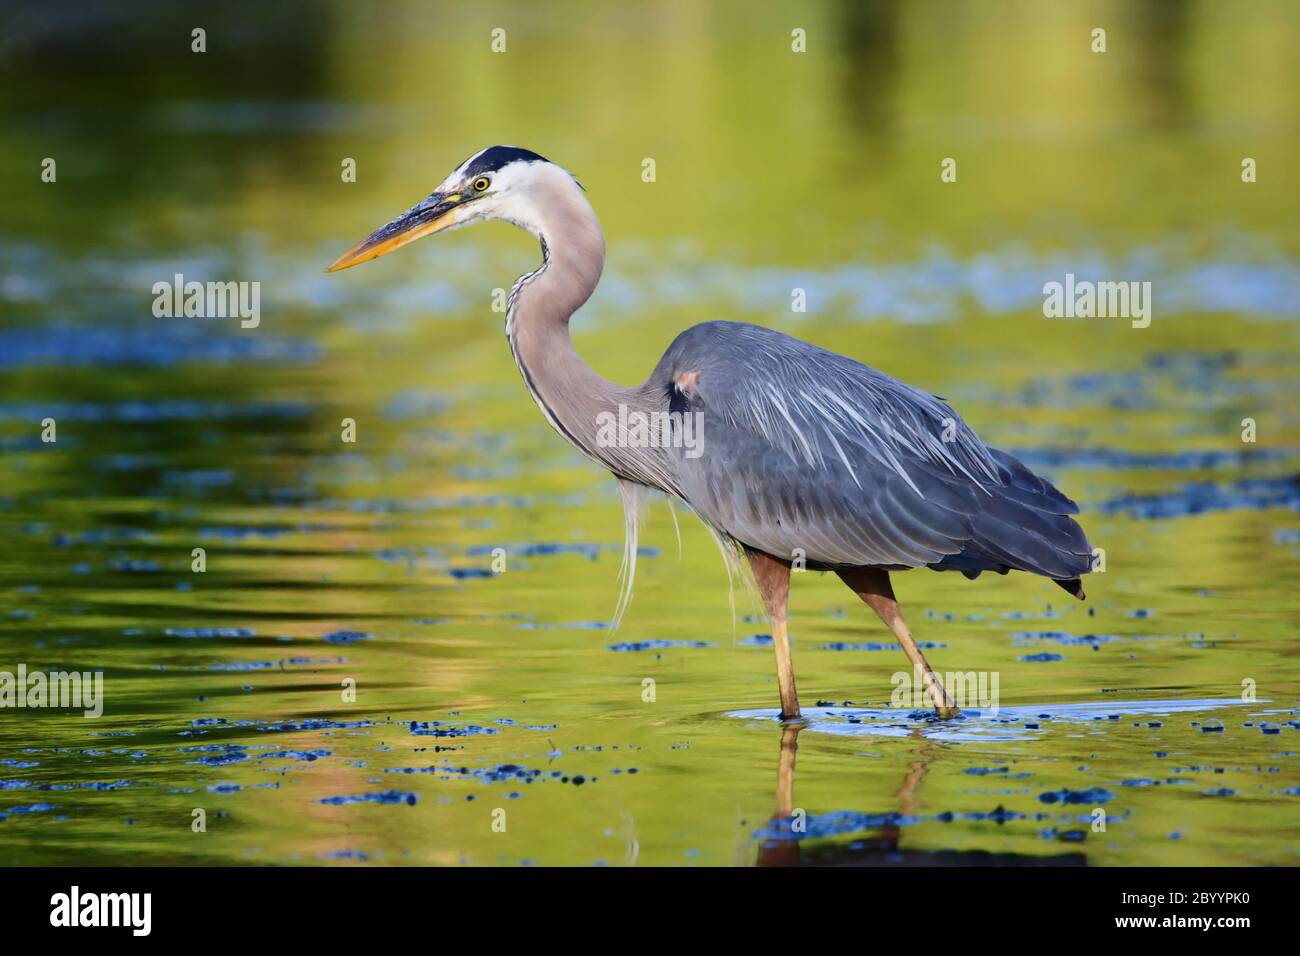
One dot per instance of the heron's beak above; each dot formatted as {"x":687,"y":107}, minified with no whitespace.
{"x":436,"y":213}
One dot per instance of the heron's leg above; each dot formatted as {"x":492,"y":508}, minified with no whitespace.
{"x":773,"y":578}
{"x":872,"y":585}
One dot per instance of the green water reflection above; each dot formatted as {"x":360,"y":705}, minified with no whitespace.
{"x":329,"y":562}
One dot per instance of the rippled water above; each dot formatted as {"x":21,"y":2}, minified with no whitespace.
{"x":351,"y":679}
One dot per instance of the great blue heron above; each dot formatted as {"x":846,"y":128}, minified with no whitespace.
{"x":801,"y":455}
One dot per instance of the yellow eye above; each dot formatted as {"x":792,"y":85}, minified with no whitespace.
{"x":482,"y":183}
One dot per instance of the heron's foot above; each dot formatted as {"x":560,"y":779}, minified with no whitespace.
{"x":944,"y":706}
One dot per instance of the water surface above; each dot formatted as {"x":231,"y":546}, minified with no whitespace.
{"x":1168,"y":701}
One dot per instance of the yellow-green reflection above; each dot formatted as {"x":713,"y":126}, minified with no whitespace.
{"x":774,"y":170}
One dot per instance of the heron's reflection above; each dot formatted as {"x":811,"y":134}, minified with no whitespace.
{"x":781,"y":843}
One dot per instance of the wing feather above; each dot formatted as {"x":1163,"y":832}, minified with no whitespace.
{"x":806,"y":449}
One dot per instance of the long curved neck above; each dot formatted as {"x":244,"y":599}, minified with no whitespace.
{"x":572,"y":396}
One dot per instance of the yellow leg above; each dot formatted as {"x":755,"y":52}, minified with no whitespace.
{"x":872,"y":585}
{"x":773,"y":578}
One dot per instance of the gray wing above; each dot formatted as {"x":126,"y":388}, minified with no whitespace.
{"x":805,"y":449}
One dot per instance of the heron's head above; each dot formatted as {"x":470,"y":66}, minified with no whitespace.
{"x":500,"y":182}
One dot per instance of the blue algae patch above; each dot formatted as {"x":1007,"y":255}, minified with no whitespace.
{"x":406,"y":555}
{"x":200,"y":478}
{"x":309,"y":723}
{"x":244,"y":532}
{"x":1194,"y":498}
{"x":436,"y":728}
{"x":233,"y":755}
{"x":346,"y":855}
{"x":1094,"y":795}
{"x":634,"y":646}
{"x":147,"y":411}
{"x":32,"y":808}
{"x":756,"y":640}
{"x":237,"y":666}
{"x":1288,"y":537}
{"x":314,"y":723}
{"x":502,"y":773}
{"x":462,"y":574}
{"x":1068,"y":836}
{"x":98,"y":536}
{"x":1062,"y":637}
{"x":383,"y":796}
{"x":1044,"y":657}
{"x":832,"y":824}
{"x":997,"y":815}
{"x":64,"y":345}
{"x":201,"y":632}
{"x":541,"y":549}
{"x":1119,"y":459}
{"x":133,"y":566}
{"x":415,"y":403}
{"x":346,"y":637}
{"x":872,"y":646}
{"x":304,"y":755}
{"x":569,"y":625}
{"x":943,"y":283}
